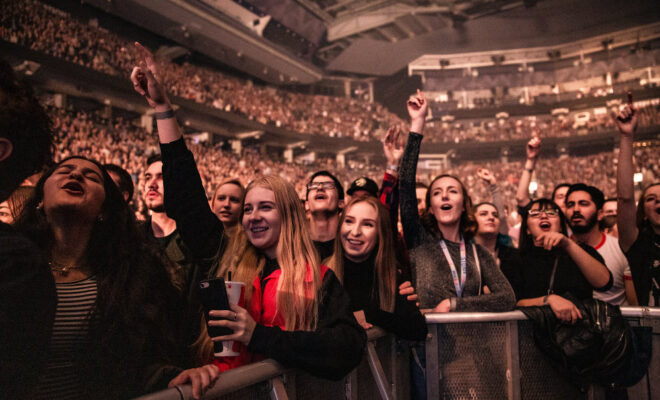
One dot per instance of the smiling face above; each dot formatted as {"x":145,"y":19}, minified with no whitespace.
{"x":227,"y":204}
{"x":651,"y":204}
{"x":261,"y":220}
{"x":446,"y":201}
{"x":488,"y":219}
{"x":540,"y":221}
{"x":75,"y":185}
{"x":359,"y":231}
{"x":325,"y":197}
{"x":581,"y":212}
{"x":154,"y":193}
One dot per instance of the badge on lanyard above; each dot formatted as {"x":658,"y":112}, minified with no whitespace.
{"x":459,"y":284}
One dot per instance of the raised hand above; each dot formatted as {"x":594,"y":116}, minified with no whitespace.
{"x":146,"y":80}
{"x":564,"y":309}
{"x":393,"y":145}
{"x":486,"y":176}
{"x":533,"y":148}
{"x":626,"y":120}
{"x":418,"y":108}
{"x":550,"y":240}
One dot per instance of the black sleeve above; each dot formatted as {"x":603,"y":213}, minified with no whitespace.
{"x":186,"y":203}
{"x":413,"y":231}
{"x":511,"y":266}
{"x":406,"y":322}
{"x":27,"y":309}
{"x":333,"y":350}
{"x":595,"y":254}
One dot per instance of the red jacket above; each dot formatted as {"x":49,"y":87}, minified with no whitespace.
{"x":263,"y":309}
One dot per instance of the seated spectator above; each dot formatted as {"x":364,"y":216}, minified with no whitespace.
{"x":554,"y":266}
{"x":364,"y":260}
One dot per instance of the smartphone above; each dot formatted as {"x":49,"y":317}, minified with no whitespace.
{"x":214,"y":297}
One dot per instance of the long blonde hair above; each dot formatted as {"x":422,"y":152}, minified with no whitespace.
{"x":297,"y":298}
{"x":385,"y":261}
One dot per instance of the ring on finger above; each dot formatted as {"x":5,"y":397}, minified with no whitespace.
{"x":235,"y":316}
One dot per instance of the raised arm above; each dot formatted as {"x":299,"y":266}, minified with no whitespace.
{"x":389,"y":190}
{"x":626,"y":121}
{"x":412,"y":227}
{"x":185,"y":198}
{"x":496,"y":196}
{"x":533,"y":149}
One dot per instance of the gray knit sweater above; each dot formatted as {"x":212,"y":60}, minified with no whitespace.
{"x":433,"y":278}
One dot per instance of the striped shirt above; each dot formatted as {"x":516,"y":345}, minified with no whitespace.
{"x":61,"y":378}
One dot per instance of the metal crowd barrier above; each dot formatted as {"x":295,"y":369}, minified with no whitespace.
{"x":493,"y":356}
{"x":383,"y":374}
{"x":468,"y":356}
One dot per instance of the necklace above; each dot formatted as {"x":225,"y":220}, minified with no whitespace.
{"x":61,"y":269}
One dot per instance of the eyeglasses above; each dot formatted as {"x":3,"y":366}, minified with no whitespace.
{"x":536,"y":213}
{"x":320,"y":185}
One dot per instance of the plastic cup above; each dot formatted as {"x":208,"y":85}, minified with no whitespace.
{"x":235,"y":295}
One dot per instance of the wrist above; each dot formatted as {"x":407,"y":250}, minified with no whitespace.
{"x":163,"y":107}
{"x":417,"y":125}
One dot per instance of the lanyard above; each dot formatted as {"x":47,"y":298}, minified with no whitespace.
{"x":458,"y":285}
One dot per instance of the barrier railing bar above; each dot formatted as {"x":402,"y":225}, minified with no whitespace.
{"x":277,"y":390}
{"x":229,"y":381}
{"x":463,"y":317}
{"x":432,"y":372}
{"x":378,"y":373}
{"x":512,"y":361}
{"x":352,"y":386}
{"x":393,"y":370}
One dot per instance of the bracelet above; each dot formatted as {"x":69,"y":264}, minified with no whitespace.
{"x":392,"y":167}
{"x":167,"y":114}
{"x":545,"y":300}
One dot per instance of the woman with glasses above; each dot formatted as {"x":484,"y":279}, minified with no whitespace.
{"x":555,"y":265}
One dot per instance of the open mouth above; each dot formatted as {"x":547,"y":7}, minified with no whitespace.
{"x":446,"y":207}
{"x":73,"y":187}
{"x":657,"y":210}
{"x":545,"y":226}
{"x":354,"y":242}
{"x":320,"y":197}
{"x":258,"y":229}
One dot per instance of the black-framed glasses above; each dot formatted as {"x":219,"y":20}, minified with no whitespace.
{"x":320,"y":185}
{"x":536,"y":213}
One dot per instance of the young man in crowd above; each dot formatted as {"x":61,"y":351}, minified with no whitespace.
{"x":325,"y":200}
{"x":27,"y":289}
{"x":584,"y":208}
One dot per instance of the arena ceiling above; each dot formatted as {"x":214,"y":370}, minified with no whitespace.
{"x":369,"y":37}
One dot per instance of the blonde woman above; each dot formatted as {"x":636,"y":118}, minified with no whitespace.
{"x":298,"y":313}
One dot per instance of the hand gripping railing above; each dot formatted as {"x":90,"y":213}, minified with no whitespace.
{"x":276,"y":375}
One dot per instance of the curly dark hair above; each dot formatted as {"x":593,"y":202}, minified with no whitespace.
{"x":132,"y":324}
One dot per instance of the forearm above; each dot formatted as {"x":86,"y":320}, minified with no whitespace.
{"x":626,"y":212}
{"x":409,"y":215}
{"x":498,"y":201}
{"x":185,"y":201}
{"x":168,"y":128}
{"x":536,"y":301}
{"x":594,"y":271}
{"x":405,"y":322}
{"x":631,"y":295}
{"x":522,"y":195}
